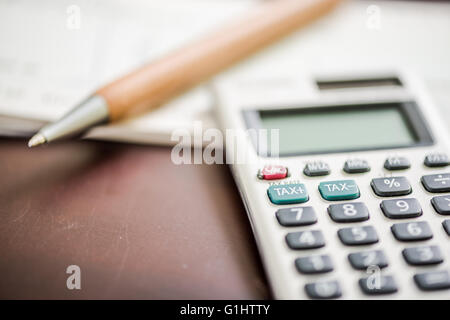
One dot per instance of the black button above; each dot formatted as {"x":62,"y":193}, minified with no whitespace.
{"x":363,"y":260}
{"x":296,"y":216}
{"x":391,"y":186}
{"x":441,"y":204}
{"x":317,"y":168}
{"x":433,"y":280}
{"x":314,"y":264}
{"x":323,"y":290}
{"x":358,"y":235}
{"x":423,"y":255}
{"x":436,"y":160}
{"x":378,"y":285}
{"x":305,"y":240}
{"x":401,"y":208}
{"x":412,"y":231}
{"x":397,"y":163}
{"x":446,"y":225}
{"x":437,"y":182}
{"x":348,"y":212}
{"x":356,"y":166}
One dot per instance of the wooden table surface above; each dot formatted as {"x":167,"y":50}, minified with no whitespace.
{"x":138,"y":226}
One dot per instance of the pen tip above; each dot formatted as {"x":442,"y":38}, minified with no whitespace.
{"x":36,"y":140}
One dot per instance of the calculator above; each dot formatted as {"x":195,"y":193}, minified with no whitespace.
{"x":348,"y":191}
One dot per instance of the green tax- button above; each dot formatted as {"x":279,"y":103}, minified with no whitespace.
{"x":288,"y":193}
{"x":339,"y":190}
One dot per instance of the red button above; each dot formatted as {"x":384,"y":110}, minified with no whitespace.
{"x":273,"y":172}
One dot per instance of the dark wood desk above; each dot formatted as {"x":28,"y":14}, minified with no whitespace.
{"x":138,"y":226}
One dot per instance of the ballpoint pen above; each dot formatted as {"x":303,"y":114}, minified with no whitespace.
{"x":153,"y":84}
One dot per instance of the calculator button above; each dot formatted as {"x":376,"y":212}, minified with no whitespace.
{"x":305,"y":240}
{"x":412,"y":231}
{"x":288,"y":193}
{"x":272,"y":172}
{"x":397,"y":163}
{"x":317,"y":168}
{"x":297,"y":216}
{"x":339,"y":190}
{"x":356,"y":166}
{"x":314,"y":264}
{"x":391,"y":186}
{"x":378,"y":285}
{"x":441,"y":204}
{"x":446,"y":225}
{"x":401,"y":208}
{"x":323,"y":290}
{"x":358,"y":235}
{"x":437,"y":182}
{"x":433,"y":280}
{"x":348,"y":212}
{"x":363,"y":260}
{"x":423,"y":255}
{"x":436,"y":160}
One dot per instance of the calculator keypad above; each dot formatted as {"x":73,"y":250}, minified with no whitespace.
{"x":348,"y":212}
{"x":391,"y":186}
{"x":425,"y":255}
{"x":296,"y":216}
{"x":314,"y":264}
{"x":305,"y":240}
{"x":355,"y":236}
{"x":412,"y":231}
{"x":401,"y":208}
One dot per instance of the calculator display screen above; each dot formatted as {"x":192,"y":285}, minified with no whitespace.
{"x":322,"y":130}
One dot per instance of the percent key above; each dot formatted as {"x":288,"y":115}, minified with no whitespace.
{"x":391,"y":186}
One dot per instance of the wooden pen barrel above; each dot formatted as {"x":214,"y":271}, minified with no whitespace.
{"x":158,"y":81}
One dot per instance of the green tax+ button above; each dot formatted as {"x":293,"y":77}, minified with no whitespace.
{"x":287,"y":193}
{"x":339,"y":190}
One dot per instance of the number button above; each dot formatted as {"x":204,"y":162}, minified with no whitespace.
{"x":433,"y":280}
{"x":323,"y":290}
{"x":287,"y":193}
{"x":356,"y":166}
{"x":272,"y":172}
{"x":314,"y":264}
{"x":348,"y":212}
{"x":412,"y":231}
{"x":446,"y":225}
{"x":318,"y":168}
{"x":436,"y":160}
{"x":401,"y":208}
{"x":365,"y":259}
{"x":378,"y":284}
{"x":441,"y":204}
{"x":358,"y":235}
{"x":305,"y":240}
{"x":436,"y":182}
{"x":297,"y":216}
{"x":423,"y":255}
{"x":391,"y":186}
{"x":396,"y":163}
{"x":339,"y":190}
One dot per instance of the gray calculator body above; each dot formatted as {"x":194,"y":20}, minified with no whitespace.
{"x":242,"y":104}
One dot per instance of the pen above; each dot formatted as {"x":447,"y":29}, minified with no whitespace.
{"x":151,"y":85}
